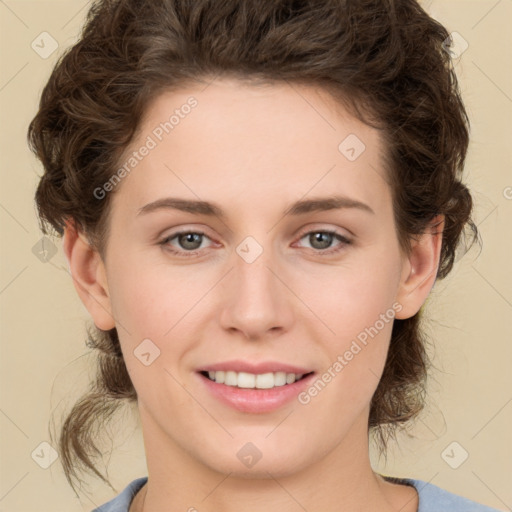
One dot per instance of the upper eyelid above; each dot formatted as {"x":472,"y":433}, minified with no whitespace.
{"x":333,"y":230}
{"x":317,"y":226}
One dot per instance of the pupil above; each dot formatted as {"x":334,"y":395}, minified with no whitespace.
{"x":189,"y":238}
{"x":319,"y":236}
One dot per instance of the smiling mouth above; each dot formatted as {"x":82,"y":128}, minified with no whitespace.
{"x":245,"y":380}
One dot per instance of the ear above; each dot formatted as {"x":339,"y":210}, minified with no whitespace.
{"x":89,"y":276}
{"x":419,"y":270}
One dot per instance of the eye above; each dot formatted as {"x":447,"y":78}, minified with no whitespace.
{"x":321,"y":241}
{"x":189,"y":241}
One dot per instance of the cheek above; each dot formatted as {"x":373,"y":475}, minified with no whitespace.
{"x":150,"y":299}
{"x":357,"y":304}
{"x":352,"y":296}
{"x":355,"y":358}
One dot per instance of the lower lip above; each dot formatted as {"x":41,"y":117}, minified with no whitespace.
{"x":256,"y":400}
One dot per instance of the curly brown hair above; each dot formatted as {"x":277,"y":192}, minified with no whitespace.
{"x":384,"y":60}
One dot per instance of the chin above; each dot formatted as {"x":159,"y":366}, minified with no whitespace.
{"x":248,"y":463}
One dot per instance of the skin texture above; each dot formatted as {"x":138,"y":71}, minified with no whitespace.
{"x":254,"y":150}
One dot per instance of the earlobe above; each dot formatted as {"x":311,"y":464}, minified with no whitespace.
{"x":419,"y":271}
{"x":89,"y":277}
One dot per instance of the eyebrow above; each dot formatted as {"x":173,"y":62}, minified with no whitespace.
{"x":315,"y":204}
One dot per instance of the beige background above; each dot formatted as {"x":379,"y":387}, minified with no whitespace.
{"x":42,"y":319}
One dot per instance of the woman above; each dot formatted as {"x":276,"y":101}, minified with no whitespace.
{"x":256,"y":199}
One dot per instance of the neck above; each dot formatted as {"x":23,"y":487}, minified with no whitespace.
{"x":339,"y":480}
{"x":138,"y":502}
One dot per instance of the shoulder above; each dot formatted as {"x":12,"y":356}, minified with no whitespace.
{"x":121,"y":503}
{"x":431,"y":498}
{"x":435,"y":499}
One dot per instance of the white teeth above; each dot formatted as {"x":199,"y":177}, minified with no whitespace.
{"x":231,"y":379}
{"x":246,"y":380}
{"x":280,"y":378}
{"x":266,"y":380}
{"x":254,"y":381}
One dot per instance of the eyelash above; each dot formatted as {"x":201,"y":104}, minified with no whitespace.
{"x":322,"y":252}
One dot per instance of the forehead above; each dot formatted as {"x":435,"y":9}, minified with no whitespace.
{"x":263,"y":144}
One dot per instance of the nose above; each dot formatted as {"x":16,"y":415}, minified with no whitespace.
{"x":256,"y":302}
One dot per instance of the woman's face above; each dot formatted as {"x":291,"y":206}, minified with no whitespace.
{"x":258,"y":286}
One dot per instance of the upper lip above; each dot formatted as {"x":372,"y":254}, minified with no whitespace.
{"x":256,"y":368}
